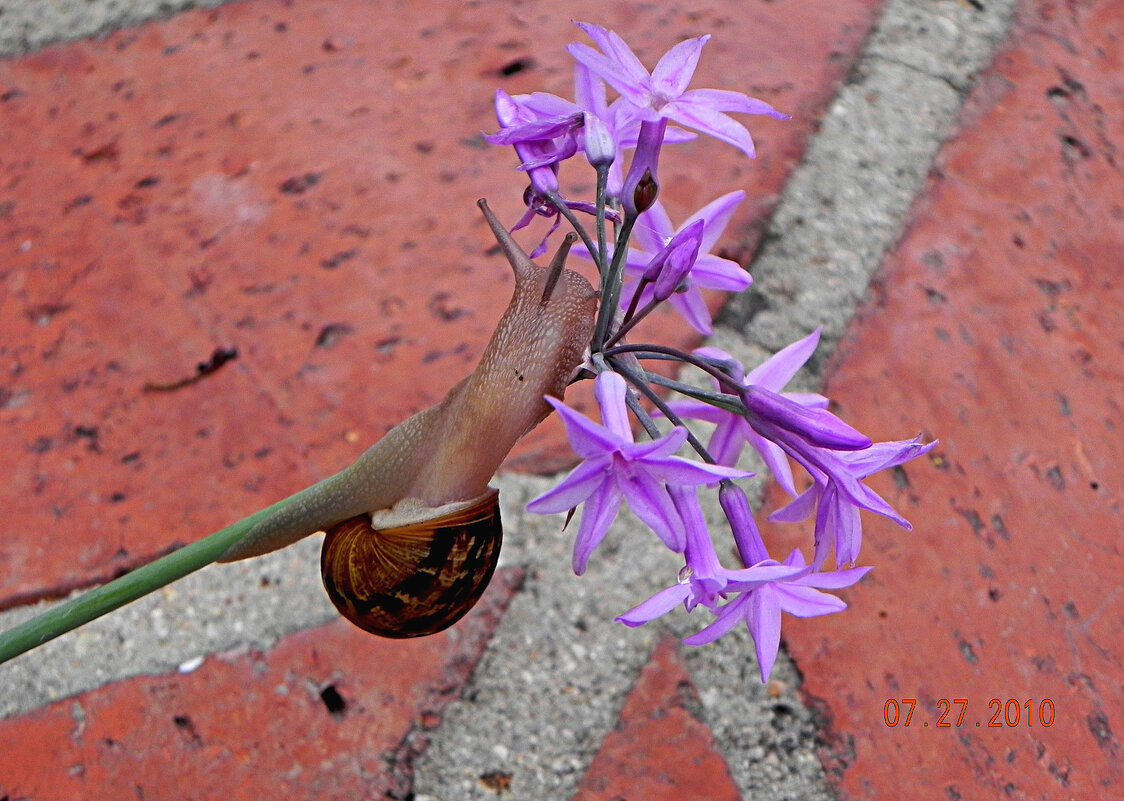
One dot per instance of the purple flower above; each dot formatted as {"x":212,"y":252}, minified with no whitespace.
{"x":624,"y":129}
{"x":652,"y":233}
{"x":663,"y":92}
{"x":703,"y":581}
{"x":542,"y":130}
{"x":836,"y":496}
{"x":615,"y":468}
{"x":760,"y":608}
{"x":732,"y":431}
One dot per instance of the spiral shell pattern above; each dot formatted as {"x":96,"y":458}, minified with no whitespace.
{"x":415,"y":579}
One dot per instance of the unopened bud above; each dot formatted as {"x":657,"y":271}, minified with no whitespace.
{"x":600,"y":149}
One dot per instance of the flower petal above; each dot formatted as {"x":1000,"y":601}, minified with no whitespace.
{"x":659,"y":604}
{"x":764,"y":623}
{"x":677,"y":66}
{"x":717,"y":214}
{"x":693,"y":308}
{"x":648,"y":500}
{"x":714,"y":272}
{"x":598,"y":515}
{"x":714,"y":123}
{"x":587,"y":438}
{"x":726,"y":100}
{"x":778,"y":369}
{"x":582,"y":482}
{"x":610,"y":390}
{"x":728,"y":617}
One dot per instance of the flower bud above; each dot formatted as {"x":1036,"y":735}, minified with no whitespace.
{"x":600,"y":149}
{"x":748,"y":539}
{"x":678,"y":258}
{"x":641,"y":186}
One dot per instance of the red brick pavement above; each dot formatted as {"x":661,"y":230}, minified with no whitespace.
{"x":999,"y":322}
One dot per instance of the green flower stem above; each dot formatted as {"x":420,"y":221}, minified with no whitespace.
{"x":612,"y":282}
{"x":729,"y":403}
{"x":602,"y":248}
{"x":128,"y":588}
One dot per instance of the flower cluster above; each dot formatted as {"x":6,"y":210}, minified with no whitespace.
{"x":651,"y":261}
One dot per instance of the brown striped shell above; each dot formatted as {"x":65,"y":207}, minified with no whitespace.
{"x":415,"y":578}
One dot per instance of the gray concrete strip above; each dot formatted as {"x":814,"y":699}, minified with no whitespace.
{"x":843,"y":207}
{"x":553,"y":679}
{"x":27,"y":25}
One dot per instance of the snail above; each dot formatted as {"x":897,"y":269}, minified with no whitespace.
{"x":412,"y":528}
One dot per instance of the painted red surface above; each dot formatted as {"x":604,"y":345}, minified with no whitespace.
{"x":659,"y":750}
{"x":998,"y":324}
{"x":329,"y":713}
{"x":296,"y":182}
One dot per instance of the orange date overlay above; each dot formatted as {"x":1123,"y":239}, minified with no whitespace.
{"x":1002,"y":713}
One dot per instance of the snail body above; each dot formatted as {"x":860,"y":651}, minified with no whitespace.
{"x":438,"y":463}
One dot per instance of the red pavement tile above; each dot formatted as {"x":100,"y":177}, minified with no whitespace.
{"x":295,"y":181}
{"x":329,"y":713}
{"x":659,"y":750}
{"x":998,"y":324}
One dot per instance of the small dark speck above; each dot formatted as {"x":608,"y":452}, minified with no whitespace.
{"x":976,"y":4}
{"x":40,"y":444}
{"x":901,"y":480}
{"x":498,"y":781}
{"x":336,"y":259}
{"x":1055,"y":479}
{"x":1072,"y":148}
{"x":1070,"y":609}
{"x":117,"y":497}
{"x":935,"y":295}
{"x":424,"y":147}
{"x":11,"y":94}
{"x":147,"y":181}
{"x":77,"y":202}
{"x":1102,"y":733}
{"x":516,"y":66}
{"x":1063,"y":404}
{"x":953,"y":793}
{"x":967,"y":652}
{"x":1000,"y":527}
{"x":333,"y":701}
{"x":167,"y":119}
{"x":330,"y":334}
{"x":994,"y":594}
{"x":299,"y":184}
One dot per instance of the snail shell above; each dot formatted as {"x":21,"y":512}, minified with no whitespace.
{"x":399,"y":576}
